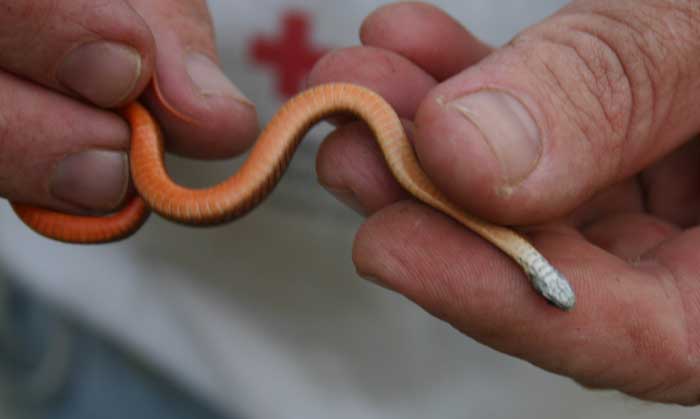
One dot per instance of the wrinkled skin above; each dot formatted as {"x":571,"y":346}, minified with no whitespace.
{"x":581,"y":131}
{"x":85,"y":56}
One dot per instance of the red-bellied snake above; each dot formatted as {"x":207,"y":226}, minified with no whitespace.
{"x":262,"y":170}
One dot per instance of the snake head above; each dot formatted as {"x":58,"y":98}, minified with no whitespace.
{"x":554,"y":286}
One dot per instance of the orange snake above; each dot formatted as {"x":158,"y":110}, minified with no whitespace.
{"x":261,"y":171}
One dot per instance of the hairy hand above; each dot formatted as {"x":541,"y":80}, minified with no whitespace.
{"x":63,"y":63}
{"x":580,"y":131}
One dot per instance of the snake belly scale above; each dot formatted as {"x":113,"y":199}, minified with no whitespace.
{"x":261,"y":171}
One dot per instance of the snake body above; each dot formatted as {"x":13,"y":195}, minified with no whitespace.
{"x":262,"y":170}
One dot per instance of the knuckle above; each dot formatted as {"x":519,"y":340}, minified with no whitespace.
{"x":27,"y":10}
{"x":677,"y":27}
{"x":587,"y":86}
{"x":617,"y":74}
{"x":681,"y":20}
{"x":25,"y":20}
{"x":650,"y":41}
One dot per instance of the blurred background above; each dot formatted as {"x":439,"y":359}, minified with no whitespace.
{"x":265,"y":317}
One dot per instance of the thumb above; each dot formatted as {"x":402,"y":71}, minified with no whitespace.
{"x":586,"y":98}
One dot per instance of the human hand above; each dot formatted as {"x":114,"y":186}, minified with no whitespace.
{"x":62,"y":64}
{"x":580,"y":131}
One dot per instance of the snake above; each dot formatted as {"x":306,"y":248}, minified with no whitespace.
{"x":261,"y":171}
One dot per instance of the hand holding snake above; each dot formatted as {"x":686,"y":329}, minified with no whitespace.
{"x":578,"y":131}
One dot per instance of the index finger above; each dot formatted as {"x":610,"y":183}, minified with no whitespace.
{"x":627,"y":319}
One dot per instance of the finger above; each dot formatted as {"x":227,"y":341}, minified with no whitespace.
{"x":102,"y":54}
{"x":623,"y":197}
{"x":667,"y":190}
{"x":350,"y":166}
{"x":203,"y":114}
{"x":588,"y":97}
{"x":72,"y":160}
{"x":671,"y":186}
{"x":625,"y":321}
{"x":629,"y":235}
{"x":106,"y":55}
{"x":430,"y":27}
{"x":385,"y":72}
{"x":635,"y":215}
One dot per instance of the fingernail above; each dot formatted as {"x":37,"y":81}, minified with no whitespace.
{"x":508,"y":129}
{"x":104,"y":73}
{"x":93,"y":179}
{"x":209,"y":79}
{"x":347,"y":197}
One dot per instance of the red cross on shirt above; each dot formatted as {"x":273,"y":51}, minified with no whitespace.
{"x":290,"y":54}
